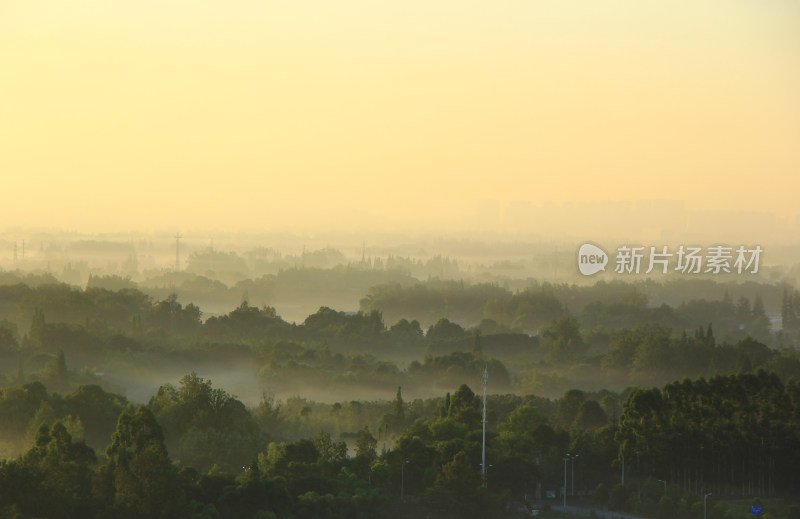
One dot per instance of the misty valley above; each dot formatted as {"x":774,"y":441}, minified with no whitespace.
{"x":129,"y":398}
{"x":399,"y":260}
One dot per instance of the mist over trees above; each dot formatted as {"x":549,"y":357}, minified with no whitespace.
{"x":108,"y":409}
{"x":182,"y":454}
{"x":543,"y":339}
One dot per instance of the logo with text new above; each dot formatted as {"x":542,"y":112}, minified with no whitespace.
{"x":591,"y":259}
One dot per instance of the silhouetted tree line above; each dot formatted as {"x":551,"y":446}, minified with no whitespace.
{"x":342,"y":349}
{"x":735,"y":434}
{"x":195,"y":451}
{"x":603,"y":305}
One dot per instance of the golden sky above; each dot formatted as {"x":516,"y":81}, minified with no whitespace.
{"x":405,"y":114}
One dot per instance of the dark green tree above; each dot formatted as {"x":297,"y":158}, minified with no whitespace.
{"x":562,"y":340}
{"x":140,"y":480}
{"x":399,"y":407}
{"x":61,"y":476}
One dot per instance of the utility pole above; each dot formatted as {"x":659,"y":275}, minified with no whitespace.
{"x":483,"y":451}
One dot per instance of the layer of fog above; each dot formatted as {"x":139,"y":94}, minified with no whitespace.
{"x":215,"y":270}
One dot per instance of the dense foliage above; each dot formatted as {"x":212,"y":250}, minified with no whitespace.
{"x":75,"y":447}
{"x":180,"y":455}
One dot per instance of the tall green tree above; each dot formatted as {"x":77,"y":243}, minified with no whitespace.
{"x":205,"y":425}
{"x":140,"y":476}
{"x":62,"y":475}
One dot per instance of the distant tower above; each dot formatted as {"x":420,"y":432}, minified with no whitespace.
{"x":23,"y":250}
{"x":178,"y":251}
{"x":363,"y":252}
{"x":15,"y":252}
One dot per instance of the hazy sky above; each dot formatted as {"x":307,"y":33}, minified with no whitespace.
{"x":239,"y":114}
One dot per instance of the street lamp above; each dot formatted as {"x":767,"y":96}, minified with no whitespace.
{"x":486,"y":479}
{"x":704,"y":504}
{"x":566,"y":459}
{"x":665,"y":484}
{"x":403,"y":480}
{"x":565,"y":483}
